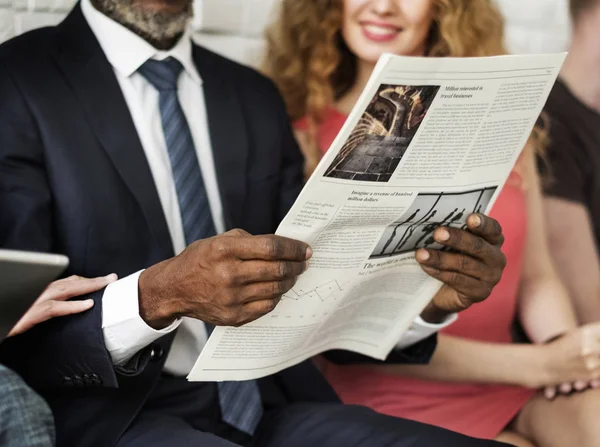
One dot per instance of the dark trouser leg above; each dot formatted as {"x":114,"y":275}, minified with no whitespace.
{"x":336,"y":425}
{"x":154,"y":429}
{"x":25,"y":419}
{"x":181,"y":413}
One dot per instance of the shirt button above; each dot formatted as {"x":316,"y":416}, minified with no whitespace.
{"x":96,"y":380}
{"x":77,"y":380}
{"x":156,"y":353}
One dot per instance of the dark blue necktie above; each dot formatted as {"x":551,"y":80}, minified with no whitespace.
{"x":241,"y":405}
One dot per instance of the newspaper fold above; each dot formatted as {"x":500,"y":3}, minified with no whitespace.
{"x":429,"y":142}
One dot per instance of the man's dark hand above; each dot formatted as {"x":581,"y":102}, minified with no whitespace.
{"x":470,"y":271}
{"x":226,"y":280}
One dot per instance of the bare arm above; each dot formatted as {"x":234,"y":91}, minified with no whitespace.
{"x":573,"y":249}
{"x":544,"y":306}
{"x":462,"y":360}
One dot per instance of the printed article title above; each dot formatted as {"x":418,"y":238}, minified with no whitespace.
{"x":367,"y":196}
{"x":466,"y":92}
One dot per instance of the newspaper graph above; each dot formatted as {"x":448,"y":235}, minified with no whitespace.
{"x":323,"y":292}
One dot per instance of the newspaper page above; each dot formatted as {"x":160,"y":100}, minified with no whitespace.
{"x":429,"y":142}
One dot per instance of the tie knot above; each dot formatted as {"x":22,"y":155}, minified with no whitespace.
{"x":162,"y":74}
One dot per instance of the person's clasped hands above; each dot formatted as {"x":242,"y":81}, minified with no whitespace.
{"x":571,"y":362}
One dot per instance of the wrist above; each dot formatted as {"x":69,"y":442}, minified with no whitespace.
{"x":433,"y":314}
{"x":539,"y":374}
{"x":155,"y":309}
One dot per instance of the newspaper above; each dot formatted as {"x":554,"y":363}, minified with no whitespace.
{"x":429,"y":142}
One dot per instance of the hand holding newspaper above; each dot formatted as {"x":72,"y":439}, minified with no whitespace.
{"x":429,"y":142}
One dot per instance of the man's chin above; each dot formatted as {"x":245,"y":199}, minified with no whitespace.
{"x":165,"y":8}
{"x":160,"y":22}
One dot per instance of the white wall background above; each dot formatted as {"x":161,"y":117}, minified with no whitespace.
{"x":536,"y":26}
{"x":234,"y":27}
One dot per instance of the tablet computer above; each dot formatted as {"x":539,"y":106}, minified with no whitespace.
{"x":23,"y":277}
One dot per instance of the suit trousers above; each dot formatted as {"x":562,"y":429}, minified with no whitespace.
{"x":187,"y":414}
{"x":25,"y":419}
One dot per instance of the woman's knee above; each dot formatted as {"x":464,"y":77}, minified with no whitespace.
{"x":511,"y":438}
{"x":566,"y":420}
{"x":586,"y":407}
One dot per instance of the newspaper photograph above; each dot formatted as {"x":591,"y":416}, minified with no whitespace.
{"x":429,"y":211}
{"x":430,"y":141}
{"x":381,"y":137}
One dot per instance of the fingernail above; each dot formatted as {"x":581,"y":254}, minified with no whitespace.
{"x":89,"y":302}
{"x":475,"y":220}
{"x":112,"y":277}
{"x":309,"y":252}
{"x":442,"y":235}
{"x":306,"y":265}
{"x":423,"y":255}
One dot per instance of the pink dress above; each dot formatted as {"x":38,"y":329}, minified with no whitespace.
{"x":481,"y":411}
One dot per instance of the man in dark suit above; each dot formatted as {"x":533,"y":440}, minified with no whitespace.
{"x":132,"y":151}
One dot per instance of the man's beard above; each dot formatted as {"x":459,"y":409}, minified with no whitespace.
{"x":158,"y":28}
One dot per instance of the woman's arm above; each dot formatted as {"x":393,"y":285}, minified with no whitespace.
{"x":573,"y":249}
{"x":544,"y":307}
{"x":461,"y":360}
{"x":571,"y":359}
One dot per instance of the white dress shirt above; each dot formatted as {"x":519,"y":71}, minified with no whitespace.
{"x":125,"y":332}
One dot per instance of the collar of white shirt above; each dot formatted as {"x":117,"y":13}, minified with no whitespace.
{"x":126,"y":51}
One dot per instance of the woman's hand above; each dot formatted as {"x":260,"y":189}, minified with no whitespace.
{"x":572,"y":362}
{"x":53,"y":301}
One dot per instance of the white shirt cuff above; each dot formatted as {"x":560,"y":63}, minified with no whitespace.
{"x":125,"y":332}
{"x":421,"y":329}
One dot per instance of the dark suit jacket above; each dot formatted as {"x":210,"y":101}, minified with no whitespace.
{"x":74,"y":180}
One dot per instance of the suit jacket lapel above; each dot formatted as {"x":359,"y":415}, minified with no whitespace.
{"x":93,"y":80}
{"x":228,"y":134}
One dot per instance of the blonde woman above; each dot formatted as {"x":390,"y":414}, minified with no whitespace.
{"x":320,"y":54}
